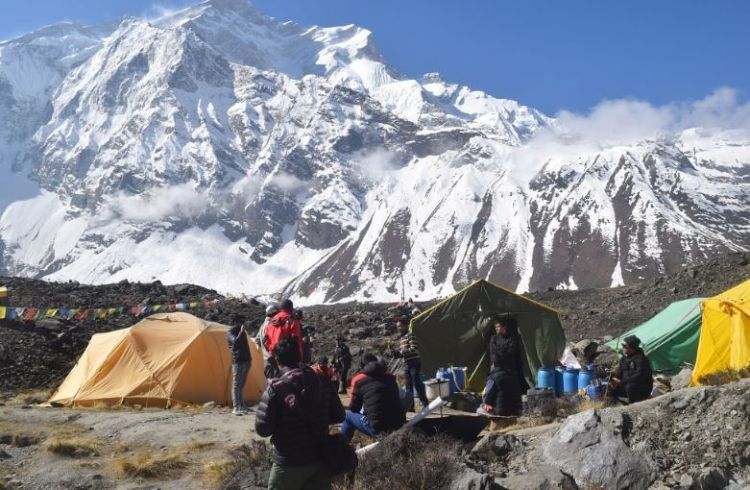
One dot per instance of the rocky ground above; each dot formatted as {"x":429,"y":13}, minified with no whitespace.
{"x":39,"y":354}
{"x":694,"y":438}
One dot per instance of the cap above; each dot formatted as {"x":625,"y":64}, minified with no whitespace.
{"x":631,"y":341}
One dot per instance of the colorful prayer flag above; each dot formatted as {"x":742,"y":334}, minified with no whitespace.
{"x":29,"y":314}
{"x":2,"y":313}
{"x":84,"y":314}
{"x":50,"y":313}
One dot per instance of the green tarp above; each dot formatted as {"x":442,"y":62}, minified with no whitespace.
{"x":669,"y":339}
{"x":456,"y":332}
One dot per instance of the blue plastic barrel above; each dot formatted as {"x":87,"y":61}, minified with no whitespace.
{"x":559,"y":380}
{"x":570,"y":380}
{"x":459,"y":378}
{"x":455,"y":377}
{"x":585,"y":377}
{"x":545,"y":379}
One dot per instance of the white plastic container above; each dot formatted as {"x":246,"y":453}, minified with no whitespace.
{"x":437,"y":388}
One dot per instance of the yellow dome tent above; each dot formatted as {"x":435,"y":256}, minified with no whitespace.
{"x":725,"y":336}
{"x":163,"y":360}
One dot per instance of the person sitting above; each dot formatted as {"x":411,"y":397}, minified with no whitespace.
{"x":296,"y":410}
{"x":633,"y":378}
{"x":375,"y":405}
{"x":322,"y":367}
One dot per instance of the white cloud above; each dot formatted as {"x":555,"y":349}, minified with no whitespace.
{"x":178,"y":201}
{"x":375,"y":165}
{"x":626,"y":122}
{"x":287,"y":182}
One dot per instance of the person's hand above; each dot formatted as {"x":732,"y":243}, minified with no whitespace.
{"x":615,"y":382}
{"x":487,"y":408}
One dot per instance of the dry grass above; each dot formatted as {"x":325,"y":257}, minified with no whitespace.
{"x":588,"y":404}
{"x":526,"y":423}
{"x":198,"y":445}
{"x":73,"y":447}
{"x":29,"y":397}
{"x":725,"y":376}
{"x":253,"y":458}
{"x":18,"y":436}
{"x":421,"y":462}
{"x":149,"y":465}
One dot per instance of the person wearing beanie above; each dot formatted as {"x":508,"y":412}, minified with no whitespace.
{"x":633,"y":378}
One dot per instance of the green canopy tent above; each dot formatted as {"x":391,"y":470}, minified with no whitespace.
{"x":456,"y":331}
{"x":669,"y":339}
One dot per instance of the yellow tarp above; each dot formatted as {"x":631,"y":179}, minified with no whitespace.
{"x":162,"y":360}
{"x":725,"y":336}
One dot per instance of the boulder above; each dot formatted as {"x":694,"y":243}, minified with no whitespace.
{"x":712,"y":479}
{"x":493,"y":446}
{"x":681,"y":380}
{"x":470,"y":479}
{"x":589,"y":447}
{"x":543,"y":477}
{"x":586,"y":350}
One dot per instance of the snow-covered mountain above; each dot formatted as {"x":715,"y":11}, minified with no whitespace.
{"x":222,"y":147}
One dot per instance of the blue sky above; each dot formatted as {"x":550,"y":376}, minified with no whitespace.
{"x":553,"y":55}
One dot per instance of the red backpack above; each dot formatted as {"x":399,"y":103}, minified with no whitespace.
{"x":281,"y":326}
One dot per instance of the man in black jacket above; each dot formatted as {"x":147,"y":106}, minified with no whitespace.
{"x":375,"y":405}
{"x":296,"y":410}
{"x":409,"y":350}
{"x":633,"y":378}
{"x":342,"y":362}
{"x":241,"y":359}
{"x":502,"y":396}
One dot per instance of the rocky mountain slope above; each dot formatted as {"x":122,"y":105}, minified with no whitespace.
{"x":36,"y":354}
{"x":221,"y":147}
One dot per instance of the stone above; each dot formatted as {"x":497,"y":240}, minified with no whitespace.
{"x":209,"y":405}
{"x":493,"y":446}
{"x":360,"y":332}
{"x":4,"y":455}
{"x":543,"y":477}
{"x":681,"y":380}
{"x":589,"y":447}
{"x":586,"y":350}
{"x":686,"y":481}
{"x":470,"y":479}
{"x":711,"y":478}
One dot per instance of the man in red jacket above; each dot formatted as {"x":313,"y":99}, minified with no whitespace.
{"x":282,"y":325}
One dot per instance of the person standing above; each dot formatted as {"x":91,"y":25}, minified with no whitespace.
{"x":271,"y":311}
{"x":342,"y":362}
{"x":282,"y":325}
{"x":409,"y":350}
{"x":502,"y":395}
{"x":633,"y":378}
{"x":241,"y":359}
{"x":295,"y":410}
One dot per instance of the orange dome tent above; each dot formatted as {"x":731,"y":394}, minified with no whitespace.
{"x":163,"y":360}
